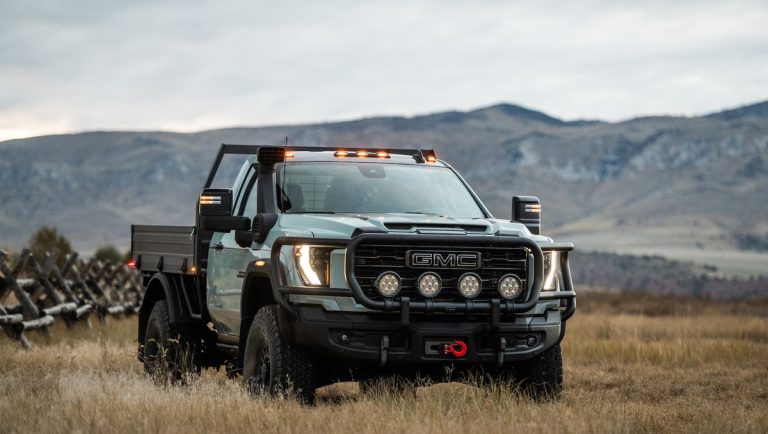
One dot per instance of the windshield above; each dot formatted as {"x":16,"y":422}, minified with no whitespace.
{"x":360,"y":188}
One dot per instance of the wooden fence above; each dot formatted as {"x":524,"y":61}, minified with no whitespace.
{"x":40,"y":292}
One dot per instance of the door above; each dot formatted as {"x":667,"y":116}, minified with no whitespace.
{"x":227,"y":263}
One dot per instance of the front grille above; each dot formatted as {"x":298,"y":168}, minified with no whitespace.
{"x":372,"y":259}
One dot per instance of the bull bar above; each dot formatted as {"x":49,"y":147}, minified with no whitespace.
{"x":404,"y":305}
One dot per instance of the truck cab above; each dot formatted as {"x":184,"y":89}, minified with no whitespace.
{"x":325,"y":264}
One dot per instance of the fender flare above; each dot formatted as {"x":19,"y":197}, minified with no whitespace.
{"x":163,"y":287}
{"x":247,"y":312}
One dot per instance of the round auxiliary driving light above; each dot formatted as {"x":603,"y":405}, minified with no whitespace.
{"x":430,"y":284}
{"x":470,"y":285}
{"x":510,"y":286}
{"x":388,"y":284}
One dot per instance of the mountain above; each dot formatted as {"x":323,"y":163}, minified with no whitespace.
{"x":683,"y":187}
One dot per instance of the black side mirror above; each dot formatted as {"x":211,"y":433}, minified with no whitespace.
{"x":215,"y":209}
{"x":527,"y":210}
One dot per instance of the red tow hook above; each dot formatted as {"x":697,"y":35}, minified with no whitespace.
{"x":458,"y":348}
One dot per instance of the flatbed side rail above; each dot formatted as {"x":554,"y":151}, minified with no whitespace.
{"x":169,"y":249}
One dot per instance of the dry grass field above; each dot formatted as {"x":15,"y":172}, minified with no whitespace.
{"x":631,"y":365}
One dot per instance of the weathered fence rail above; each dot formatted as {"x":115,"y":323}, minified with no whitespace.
{"x":73,"y":292}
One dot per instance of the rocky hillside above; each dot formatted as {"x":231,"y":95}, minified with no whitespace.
{"x":685,"y":187}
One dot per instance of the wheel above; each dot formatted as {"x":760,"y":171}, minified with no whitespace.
{"x":167,"y":357}
{"x":542,"y":376}
{"x":272,"y":364}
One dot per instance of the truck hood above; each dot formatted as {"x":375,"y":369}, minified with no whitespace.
{"x":343,"y":225}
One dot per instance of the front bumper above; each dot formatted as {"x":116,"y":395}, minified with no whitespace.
{"x":356,"y":340}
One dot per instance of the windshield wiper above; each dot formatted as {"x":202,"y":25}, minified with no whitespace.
{"x":313,"y":212}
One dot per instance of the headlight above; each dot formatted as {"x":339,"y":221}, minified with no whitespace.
{"x":551,"y":268}
{"x":313,"y":263}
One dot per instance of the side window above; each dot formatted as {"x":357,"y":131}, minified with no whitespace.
{"x":248,"y":206}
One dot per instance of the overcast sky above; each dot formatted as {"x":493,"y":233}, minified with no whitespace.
{"x":190,"y":65}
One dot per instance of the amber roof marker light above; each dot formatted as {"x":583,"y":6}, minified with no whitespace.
{"x":426,"y":156}
{"x":362,"y":153}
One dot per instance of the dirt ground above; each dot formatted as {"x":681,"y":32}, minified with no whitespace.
{"x":632,"y":364}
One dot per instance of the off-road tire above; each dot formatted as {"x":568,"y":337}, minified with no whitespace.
{"x":166,"y":355}
{"x":273,"y":365}
{"x":542,"y":376}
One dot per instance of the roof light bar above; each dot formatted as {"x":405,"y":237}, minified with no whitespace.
{"x":361,"y":154}
{"x":271,"y":155}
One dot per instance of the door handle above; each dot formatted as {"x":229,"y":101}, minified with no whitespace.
{"x":218,"y":246}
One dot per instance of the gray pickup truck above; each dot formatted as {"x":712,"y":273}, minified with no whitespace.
{"x":321,"y":265}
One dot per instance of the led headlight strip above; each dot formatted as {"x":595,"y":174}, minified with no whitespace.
{"x":551,"y":267}
{"x":313,"y":263}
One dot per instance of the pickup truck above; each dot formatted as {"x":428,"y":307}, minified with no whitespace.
{"x":322,"y":265}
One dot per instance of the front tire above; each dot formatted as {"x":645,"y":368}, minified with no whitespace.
{"x":542,"y":376}
{"x":272,"y":364}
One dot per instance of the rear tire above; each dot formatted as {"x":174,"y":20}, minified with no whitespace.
{"x":542,"y":376}
{"x":272,"y":364}
{"x":167,"y":356}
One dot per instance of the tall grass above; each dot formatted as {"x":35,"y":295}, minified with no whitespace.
{"x":693,"y":370}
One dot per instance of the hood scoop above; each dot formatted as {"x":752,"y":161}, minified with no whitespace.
{"x":425,"y":228}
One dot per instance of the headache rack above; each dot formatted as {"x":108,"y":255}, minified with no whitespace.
{"x":277,"y":154}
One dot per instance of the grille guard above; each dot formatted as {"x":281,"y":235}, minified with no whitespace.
{"x":405,"y":305}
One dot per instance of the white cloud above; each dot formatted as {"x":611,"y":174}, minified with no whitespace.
{"x":190,"y":65}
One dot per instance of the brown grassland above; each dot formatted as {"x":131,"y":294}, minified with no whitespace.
{"x":632,"y":364}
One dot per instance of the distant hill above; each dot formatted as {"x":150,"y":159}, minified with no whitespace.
{"x":684,"y":187}
{"x":657,"y":275}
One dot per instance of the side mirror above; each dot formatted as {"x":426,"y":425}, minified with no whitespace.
{"x":215,"y":209}
{"x":527,"y":210}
